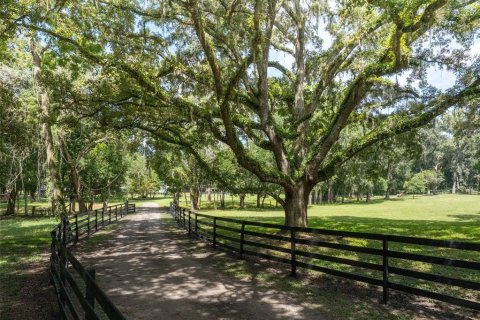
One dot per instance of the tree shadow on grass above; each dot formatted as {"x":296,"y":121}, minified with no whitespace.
{"x":24,"y":289}
{"x":467,"y":217}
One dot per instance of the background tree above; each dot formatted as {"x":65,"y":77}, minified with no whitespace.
{"x":415,"y":185}
{"x":142,"y":179}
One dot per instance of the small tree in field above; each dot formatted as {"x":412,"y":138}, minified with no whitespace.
{"x":415,"y":185}
{"x":432,"y":180}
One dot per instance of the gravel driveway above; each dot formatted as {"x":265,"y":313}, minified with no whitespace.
{"x":151,"y":270}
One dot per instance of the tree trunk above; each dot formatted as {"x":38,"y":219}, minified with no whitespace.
{"x":454,"y":186}
{"x":58,"y":203}
{"x":176,"y":198}
{"x":12,"y":197}
{"x":436,"y":168}
{"x":389,"y":178}
{"x":194,"y":195}
{"x":295,"y":206}
{"x":33,"y":196}
{"x":313,"y":198}
{"x":215,"y":200}
{"x":222,"y":199}
{"x":387,"y":194}
{"x":242,"y":200}
{"x":258,"y":199}
{"x":319,"y":196}
{"x":75,"y":179}
{"x":209,"y":194}
{"x":72,"y":204}
{"x":330,"y":191}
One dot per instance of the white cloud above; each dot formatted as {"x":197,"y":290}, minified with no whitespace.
{"x":475,"y":49}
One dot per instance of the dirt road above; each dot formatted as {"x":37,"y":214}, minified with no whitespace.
{"x":152,"y":270}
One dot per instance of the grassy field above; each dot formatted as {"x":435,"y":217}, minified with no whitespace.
{"x":443,"y":216}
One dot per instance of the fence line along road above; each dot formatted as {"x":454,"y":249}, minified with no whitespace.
{"x":234,"y":237}
{"x":74,"y":303}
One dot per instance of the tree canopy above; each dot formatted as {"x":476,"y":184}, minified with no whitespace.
{"x":292,"y":90}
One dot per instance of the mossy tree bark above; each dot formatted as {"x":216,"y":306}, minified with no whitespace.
{"x":58,"y":202}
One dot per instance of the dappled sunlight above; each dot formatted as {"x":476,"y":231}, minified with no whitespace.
{"x":151,"y":269}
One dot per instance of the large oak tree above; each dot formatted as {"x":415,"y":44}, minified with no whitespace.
{"x":195,"y":71}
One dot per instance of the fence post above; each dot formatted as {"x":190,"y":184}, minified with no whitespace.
{"x":293,"y":260}
{"x":109,"y":215}
{"x":183,"y":214}
{"x":385,"y":269}
{"x":214,"y":232}
{"x":189,"y":223}
{"x":62,"y":265}
{"x":242,"y":238}
{"x":196,"y":225}
{"x":96,"y":219}
{"x":64,"y":231}
{"x":76,"y":227}
{"x":53,"y":249}
{"x":88,"y":222}
{"x":116,"y":212}
{"x":103,"y":221}
{"x":89,"y":296}
{"x":63,"y":258}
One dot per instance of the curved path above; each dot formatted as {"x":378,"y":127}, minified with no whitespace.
{"x":152,"y":270}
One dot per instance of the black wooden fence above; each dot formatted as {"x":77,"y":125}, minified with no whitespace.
{"x":75,"y":287}
{"x":300,"y":247}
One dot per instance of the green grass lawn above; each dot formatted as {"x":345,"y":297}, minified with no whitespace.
{"x":22,"y":241}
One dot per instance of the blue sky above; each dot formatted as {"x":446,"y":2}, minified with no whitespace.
{"x":440,"y":78}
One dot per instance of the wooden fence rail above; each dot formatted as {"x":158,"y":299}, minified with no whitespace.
{"x":233,"y":236}
{"x":76,"y":289}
